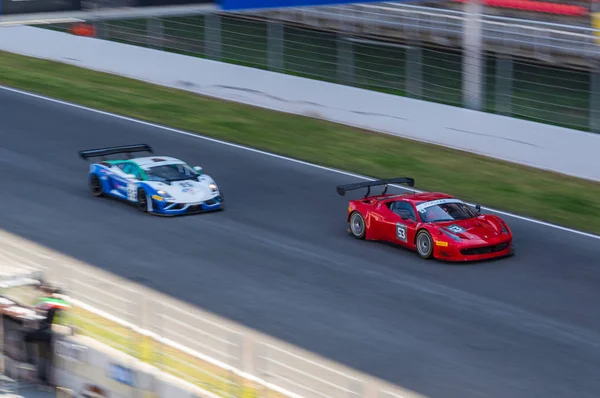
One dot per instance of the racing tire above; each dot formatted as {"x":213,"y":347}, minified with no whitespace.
{"x":357,"y":225}
{"x":424,"y":244}
{"x":142,"y":200}
{"x":96,"y":186}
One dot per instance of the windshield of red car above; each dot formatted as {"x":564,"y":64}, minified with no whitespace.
{"x":446,"y":212}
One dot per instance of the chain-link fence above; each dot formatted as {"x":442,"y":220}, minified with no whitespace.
{"x":533,"y":71}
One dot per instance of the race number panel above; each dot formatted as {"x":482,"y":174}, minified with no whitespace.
{"x":401,"y":232}
{"x":132,"y":192}
{"x":456,"y":229}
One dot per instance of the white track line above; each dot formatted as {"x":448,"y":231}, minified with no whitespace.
{"x":198,"y":136}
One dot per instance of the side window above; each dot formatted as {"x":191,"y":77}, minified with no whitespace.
{"x":404,"y":210}
{"x":128,"y":168}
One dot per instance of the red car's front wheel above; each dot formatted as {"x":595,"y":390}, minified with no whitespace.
{"x":424,"y":244}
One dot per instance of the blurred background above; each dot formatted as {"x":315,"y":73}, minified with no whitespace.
{"x":527,"y":59}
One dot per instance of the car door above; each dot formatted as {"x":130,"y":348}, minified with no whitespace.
{"x":126,"y":187}
{"x":401,"y":223}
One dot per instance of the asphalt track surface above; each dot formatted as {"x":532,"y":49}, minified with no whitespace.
{"x":279,"y":260}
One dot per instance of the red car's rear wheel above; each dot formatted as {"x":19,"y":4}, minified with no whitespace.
{"x":357,"y":225}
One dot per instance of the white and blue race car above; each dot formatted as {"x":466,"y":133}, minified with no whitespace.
{"x":159,"y":185}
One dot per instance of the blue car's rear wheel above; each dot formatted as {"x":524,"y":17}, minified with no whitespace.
{"x":96,"y":185}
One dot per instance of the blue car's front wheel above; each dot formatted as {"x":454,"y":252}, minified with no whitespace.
{"x":142,"y":200}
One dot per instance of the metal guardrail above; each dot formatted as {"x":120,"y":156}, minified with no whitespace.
{"x":107,"y":14}
{"x":395,"y":21}
{"x":227,"y":350}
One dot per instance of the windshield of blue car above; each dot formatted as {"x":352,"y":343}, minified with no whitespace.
{"x":447,"y":212}
{"x":171,"y":172}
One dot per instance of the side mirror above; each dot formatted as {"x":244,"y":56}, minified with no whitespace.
{"x":198,"y":169}
{"x":478,"y":209}
{"x":131,"y":176}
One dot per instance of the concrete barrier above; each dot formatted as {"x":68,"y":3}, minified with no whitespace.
{"x":539,"y":145}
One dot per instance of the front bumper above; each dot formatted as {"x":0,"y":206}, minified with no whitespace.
{"x":174,"y":208}
{"x":474,"y":252}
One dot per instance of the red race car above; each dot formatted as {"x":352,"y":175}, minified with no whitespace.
{"x":434,"y":224}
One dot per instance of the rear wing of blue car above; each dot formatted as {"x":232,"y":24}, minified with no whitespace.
{"x":342,"y":189}
{"x":115,"y":150}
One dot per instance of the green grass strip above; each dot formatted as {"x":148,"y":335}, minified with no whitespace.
{"x":527,"y":191}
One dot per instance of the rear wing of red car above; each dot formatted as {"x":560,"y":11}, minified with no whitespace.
{"x":342,"y":189}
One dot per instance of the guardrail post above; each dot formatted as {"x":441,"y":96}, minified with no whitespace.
{"x":504,"y":79}
{"x":414,"y":69}
{"x":154,"y":33}
{"x":345,"y":60}
{"x":157,"y":311}
{"x":275,"y":45}
{"x":101,"y":31}
{"x":261,"y":363}
{"x":248,"y":356}
{"x":472,"y":76}
{"x":594,"y":115}
{"x":212,"y":36}
{"x":356,"y":389}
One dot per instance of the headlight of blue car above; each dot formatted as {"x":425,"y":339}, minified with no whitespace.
{"x":165,"y":195}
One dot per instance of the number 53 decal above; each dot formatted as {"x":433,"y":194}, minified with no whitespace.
{"x":401,"y":232}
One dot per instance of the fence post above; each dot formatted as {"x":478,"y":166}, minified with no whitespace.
{"x":594,"y":115}
{"x":275,"y":46}
{"x":345,"y":60}
{"x":212,"y":36}
{"x":101,"y":30}
{"x":158,"y":329}
{"x":154,"y":33}
{"x":356,"y":388}
{"x":504,"y":80}
{"x":472,"y":78}
{"x":414,"y":70}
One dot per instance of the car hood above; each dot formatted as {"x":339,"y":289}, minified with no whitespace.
{"x":480,"y":228}
{"x":188,"y":190}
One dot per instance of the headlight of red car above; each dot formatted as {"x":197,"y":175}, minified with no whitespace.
{"x":452,"y":236}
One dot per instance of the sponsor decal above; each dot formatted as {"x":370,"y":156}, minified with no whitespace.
{"x":421,"y":207}
{"x":440,"y":243}
{"x":121,"y":374}
{"x":157,"y":197}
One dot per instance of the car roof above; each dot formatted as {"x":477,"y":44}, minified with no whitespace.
{"x":149,"y":161}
